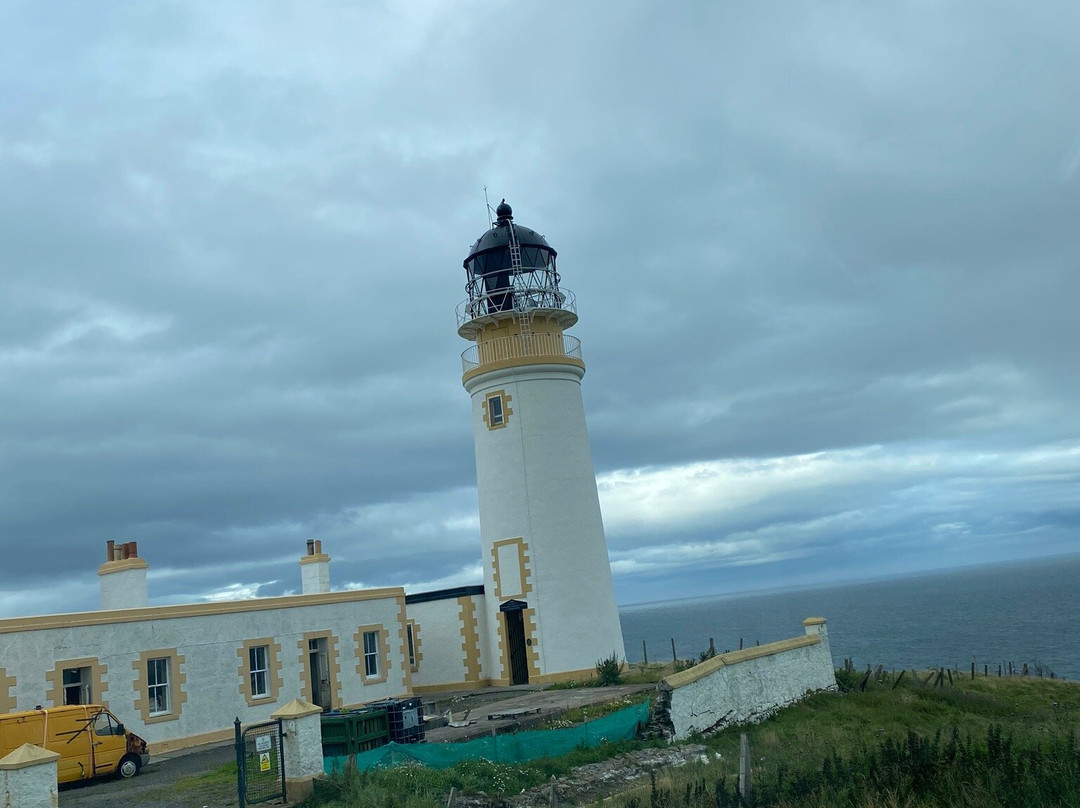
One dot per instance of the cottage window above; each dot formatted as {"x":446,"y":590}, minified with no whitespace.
{"x":259,"y":672}
{"x":157,"y":685}
{"x":77,"y":686}
{"x":371,"y":653}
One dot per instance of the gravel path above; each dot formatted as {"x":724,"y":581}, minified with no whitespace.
{"x":156,"y":786}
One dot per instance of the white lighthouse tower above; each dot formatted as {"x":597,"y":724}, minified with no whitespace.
{"x":551,"y":610}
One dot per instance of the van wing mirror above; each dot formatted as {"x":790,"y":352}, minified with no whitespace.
{"x":119,"y":729}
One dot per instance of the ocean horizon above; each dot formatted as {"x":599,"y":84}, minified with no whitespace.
{"x":1020,"y":612}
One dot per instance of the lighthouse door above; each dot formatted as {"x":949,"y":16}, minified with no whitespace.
{"x":515,"y":638}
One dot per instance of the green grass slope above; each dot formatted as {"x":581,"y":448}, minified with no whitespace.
{"x":986,"y":742}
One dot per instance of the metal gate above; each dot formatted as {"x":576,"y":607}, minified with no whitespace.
{"x":260,"y":762}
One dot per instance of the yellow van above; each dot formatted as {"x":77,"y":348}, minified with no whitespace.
{"x":90,"y":740}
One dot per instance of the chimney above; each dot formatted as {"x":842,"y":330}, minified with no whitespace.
{"x":123,"y":577}
{"x":314,"y":569}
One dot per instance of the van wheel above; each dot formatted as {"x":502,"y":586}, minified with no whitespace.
{"x":129,"y":766}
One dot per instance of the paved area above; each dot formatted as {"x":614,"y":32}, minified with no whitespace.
{"x":537,"y":707}
{"x":155,"y":785}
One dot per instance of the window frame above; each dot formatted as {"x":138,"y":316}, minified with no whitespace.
{"x":497,"y":399}
{"x":495,"y":419}
{"x":273,"y":679}
{"x":257,"y":673}
{"x":364,"y":653}
{"x":371,"y":655}
{"x":176,"y":694}
{"x":154,"y":667}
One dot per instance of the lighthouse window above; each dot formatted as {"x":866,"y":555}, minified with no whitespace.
{"x":495,"y":411}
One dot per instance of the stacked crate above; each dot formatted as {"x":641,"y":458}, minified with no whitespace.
{"x":404,"y":717}
{"x":348,"y":733}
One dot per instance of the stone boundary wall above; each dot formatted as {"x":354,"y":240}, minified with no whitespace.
{"x":745,"y":686}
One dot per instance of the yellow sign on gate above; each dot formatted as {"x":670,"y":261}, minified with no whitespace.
{"x":264,"y":761}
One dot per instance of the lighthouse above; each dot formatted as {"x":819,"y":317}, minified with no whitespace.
{"x":550,"y":603}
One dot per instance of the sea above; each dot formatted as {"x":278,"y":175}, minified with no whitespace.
{"x":1026,"y":612}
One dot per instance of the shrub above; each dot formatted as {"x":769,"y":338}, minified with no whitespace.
{"x":609,"y":671}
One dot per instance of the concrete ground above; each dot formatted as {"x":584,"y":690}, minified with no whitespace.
{"x":535,"y":705}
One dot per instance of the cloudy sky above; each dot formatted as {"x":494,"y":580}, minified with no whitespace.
{"x":825,"y":257}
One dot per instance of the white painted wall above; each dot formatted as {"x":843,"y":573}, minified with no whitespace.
{"x":536,"y":480}
{"x":124,"y":589}
{"x":314,"y":577}
{"x":751,"y":690}
{"x":209,"y":643}
{"x":443,"y":660}
{"x":443,"y":656}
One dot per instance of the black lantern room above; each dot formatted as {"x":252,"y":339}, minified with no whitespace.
{"x":511,"y":268}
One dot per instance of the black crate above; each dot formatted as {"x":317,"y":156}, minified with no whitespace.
{"x":404,"y":719}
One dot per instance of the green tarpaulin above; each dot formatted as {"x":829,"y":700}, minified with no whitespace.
{"x":515,"y":748}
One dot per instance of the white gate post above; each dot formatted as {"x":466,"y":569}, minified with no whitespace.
{"x":28,"y":778}
{"x":301,"y":724}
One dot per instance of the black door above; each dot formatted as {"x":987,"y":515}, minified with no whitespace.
{"x":515,"y":638}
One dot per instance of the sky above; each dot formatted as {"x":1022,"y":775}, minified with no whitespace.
{"x":825,"y":258}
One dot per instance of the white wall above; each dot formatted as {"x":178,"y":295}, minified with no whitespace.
{"x":442,"y":658}
{"x":536,"y":480}
{"x":124,"y":589}
{"x":747,"y":686}
{"x":442,"y":655}
{"x":208,"y":636}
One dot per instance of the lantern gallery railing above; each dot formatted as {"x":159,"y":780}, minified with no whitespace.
{"x":508,"y":299}
{"x":519,"y":346}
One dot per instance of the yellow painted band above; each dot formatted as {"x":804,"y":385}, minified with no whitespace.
{"x":521,"y":361}
{"x":124,"y":564}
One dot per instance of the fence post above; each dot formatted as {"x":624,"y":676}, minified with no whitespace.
{"x":674,"y":658}
{"x":302,"y":755}
{"x":553,"y":800}
{"x":238,"y":750}
{"x":645,"y":652}
{"x":744,"y":768}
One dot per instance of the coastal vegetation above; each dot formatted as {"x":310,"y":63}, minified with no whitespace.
{"x":984,"y":742}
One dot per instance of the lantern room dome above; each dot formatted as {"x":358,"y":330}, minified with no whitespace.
{"x":498,"y":238}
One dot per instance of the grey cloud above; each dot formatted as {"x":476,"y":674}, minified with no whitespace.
{"x":230,"y":249}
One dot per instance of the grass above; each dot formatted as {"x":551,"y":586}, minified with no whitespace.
{"x":221,"y":776}
{"x":1038,"y":718}
{"x":419,"y":787}
{"x":578,"y":715}
{"x":989,"y":742}
{"x":637,"y":673}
